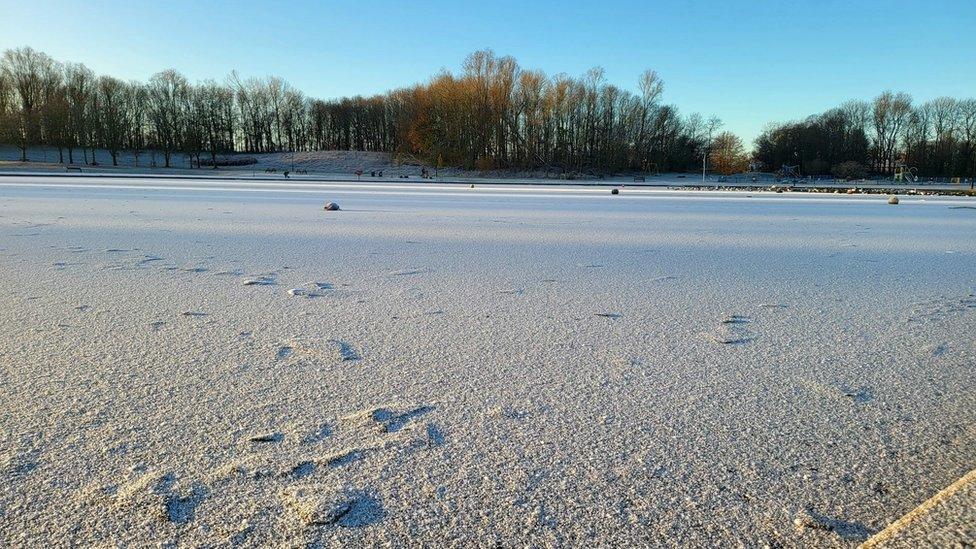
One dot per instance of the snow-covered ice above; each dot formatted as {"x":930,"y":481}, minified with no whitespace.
{"x":499,"y":365}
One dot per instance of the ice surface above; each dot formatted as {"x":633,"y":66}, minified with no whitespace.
{"x":512,"y":365}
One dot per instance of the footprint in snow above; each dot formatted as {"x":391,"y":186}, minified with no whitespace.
{"x":331,"y":349}
{"x":260,"y":281}
{"x":342,"y":350}
{"x":936,"y":350}
{"x":148,"y":259}
{"x":435,"y":437}
{"x":267,"y":437}
{"x":313,"y":289}
{"x":410,"y":272}
{"x":343,"y":458}
{"x":182,"y":509}
{"x":735,"y":319}
{"x":391,"y":421}
{"x":325,"y":507}
{"x":859,"y":395}
{"x":732,"y":330}
{"x":156,"y":489}
{"x":284,"y":352}
{"x":323,"y":432}
{"x":302,"y":469}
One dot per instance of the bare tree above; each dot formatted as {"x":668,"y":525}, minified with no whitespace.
{"x":858,"y":114}
{"x":651,"y":88}
{"x":7,"y":111}
{"x":915,"y":136}
{"x":54,"y":108}
{"x":967,"y":124}
{"x":215,"y":102}
{"x":25,"y":68}
{"x":114,"y":115}
{"x":945,"y":123}
{"x":167,"y":94}
{"x":136,"y":99}
{"x":79,"y":86}
{"x":890,"y":113}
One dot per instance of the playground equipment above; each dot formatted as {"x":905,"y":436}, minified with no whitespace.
{"x":788,"y":172}
{"x":904,"y":173}
{"x":647,"y":168}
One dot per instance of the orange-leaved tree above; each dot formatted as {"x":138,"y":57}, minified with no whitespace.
{"x":728,"y":156}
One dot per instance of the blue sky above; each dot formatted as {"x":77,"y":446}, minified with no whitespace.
{"x":747,"y":62}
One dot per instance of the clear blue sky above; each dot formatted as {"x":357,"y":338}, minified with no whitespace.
{"x":747,"y":62}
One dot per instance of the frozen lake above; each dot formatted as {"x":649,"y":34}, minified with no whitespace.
{"x":510,"y":364}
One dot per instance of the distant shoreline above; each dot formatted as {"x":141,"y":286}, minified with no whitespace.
{"x":688,"y":182}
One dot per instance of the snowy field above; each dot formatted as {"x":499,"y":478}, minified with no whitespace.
{"x":321,"y":163}
{"x":457,"y":366}
{"x":379,"y":167}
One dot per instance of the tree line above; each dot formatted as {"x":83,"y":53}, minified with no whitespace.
{"x":936,"y":138}
{"x":494,"y":114}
